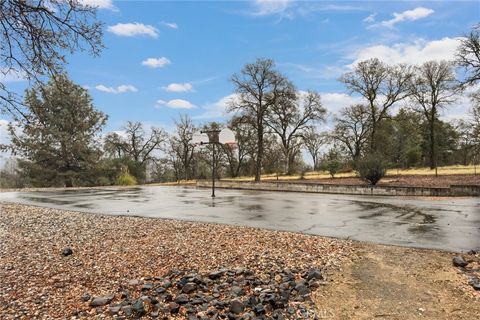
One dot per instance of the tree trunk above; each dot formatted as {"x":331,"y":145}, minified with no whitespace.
{"x":433,"y":158}
{"x":290,"y":161}
{"x":286,"y":168}
{"x":237,"y":170}
{"x":68,"y":182}
{"x":258,"y":169}
{"x":373,"y":144}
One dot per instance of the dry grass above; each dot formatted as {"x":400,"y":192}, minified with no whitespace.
{"x":175,"y":183}
{"x":314,"y":175}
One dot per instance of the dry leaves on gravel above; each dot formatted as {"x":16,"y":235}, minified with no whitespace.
{"x":38,"y":281}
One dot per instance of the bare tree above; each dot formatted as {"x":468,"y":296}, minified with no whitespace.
{"x":381,"y":85}
{"x":432,"y":88}
{"x":466,"y":140}
{"x":36,"y":34}
{"x":475,"y":123}
{"x":259,"y":86}
{"x":181,"y":147}
{"x":313,"y":142}
{"x":245,"y":145}
{"x":468,"y":56}
{"x":290,"y":118}
{"x":138,"y":143}
{"x":475,"y":111}
{"x":352,"y":129}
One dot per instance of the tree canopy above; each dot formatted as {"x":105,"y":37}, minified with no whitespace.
{"x":35,"y":37}
{"x":58,"y":139}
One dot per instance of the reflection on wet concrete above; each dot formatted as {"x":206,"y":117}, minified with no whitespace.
{"x":404,"y":212}
{"x":447,"y":223}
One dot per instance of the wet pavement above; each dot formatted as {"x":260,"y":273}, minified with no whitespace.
{"x":442,"y":223}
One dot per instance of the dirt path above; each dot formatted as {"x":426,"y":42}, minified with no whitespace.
{"x":385,"y":282}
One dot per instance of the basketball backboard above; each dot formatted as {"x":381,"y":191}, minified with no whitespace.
{"x":226,"y":136}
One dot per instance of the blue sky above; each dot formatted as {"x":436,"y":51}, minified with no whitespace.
{"x":163,"y":58}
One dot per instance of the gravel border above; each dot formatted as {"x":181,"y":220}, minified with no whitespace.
{"x":54,"y":263}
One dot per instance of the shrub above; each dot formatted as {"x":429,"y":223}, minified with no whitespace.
{"x":333,"y":166}
{"x":103,"y":181}
{"x":372,"y":168}
{"x":125,"y":179}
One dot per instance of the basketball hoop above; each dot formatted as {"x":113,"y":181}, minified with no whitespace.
{"x":199,"y":139}
{"x":226,"y":136}
{"x":213,"y":137}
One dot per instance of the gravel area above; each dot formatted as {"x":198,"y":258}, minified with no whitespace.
{"x":59,"y":264}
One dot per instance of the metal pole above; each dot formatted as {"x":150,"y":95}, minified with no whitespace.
{"x":213,"y":171}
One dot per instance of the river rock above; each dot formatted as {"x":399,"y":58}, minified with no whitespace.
{"x":127,"y":310}
{"x":67,"y":252}
{"x":138,"y":307}
{"x":236,"y":306}
{"x":189,"y":287}
{"x":302,"y":289}
{"x":173,"y":307}
{"x":259,"y":309}
{"x":215,"y":275}
{"x":459,"y":261}
{"x":114,"y":310}
{"x":166,"y":284}
{"x":147,"y":286}
{"x":181,"y":299}
{"x":101,"y":301}
{"x":474,"y":282}
{"x":314,"y":274}
{"x":237,"y":291}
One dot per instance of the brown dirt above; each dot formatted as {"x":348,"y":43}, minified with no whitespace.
{"x":401,"y":181}
{"x":387,"y":282}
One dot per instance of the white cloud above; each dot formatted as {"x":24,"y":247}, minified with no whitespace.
{"x":216,"y":109}
{"x":268,"y":7}
{"x":312,"y":72}
{"x":370,"y":18}
{"x":412,"y":53}
{"x":175,"y":104}
{"x":461,"y":108}
{"x":133,"y":29}
{"x":409,"y":15}
{"x":178,"y":87}
{"x":4,"y":139}
{"x":100,"y":4}
{"x":11,"y":75}
{"x":120,"y":89}
{"x":334,"y":101}
{"x":156,"y":62}
{"x":171,"y":25}
{"x":291,"y":9}
{"x":4,"y":135}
